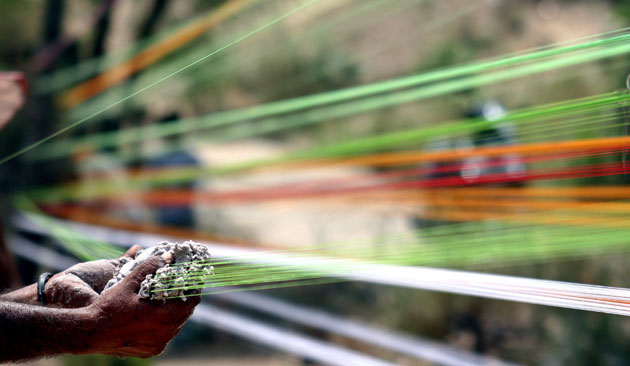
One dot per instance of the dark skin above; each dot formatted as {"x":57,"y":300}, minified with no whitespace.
{"x":117,"y":322}
{"x":75,"y":287}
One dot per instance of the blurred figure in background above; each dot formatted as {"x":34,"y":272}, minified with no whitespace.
{"x":175,"y":215}
{"x":104,"y":165}
{"x":472,"y":169}
{"x":500,"y":134}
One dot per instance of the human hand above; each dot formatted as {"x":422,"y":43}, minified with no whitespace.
{"x":81,"y":284}
{"x":127,"y":325}
{"x":12,"y":94}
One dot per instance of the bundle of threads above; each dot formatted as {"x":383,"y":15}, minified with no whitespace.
{"x":190,"y":260}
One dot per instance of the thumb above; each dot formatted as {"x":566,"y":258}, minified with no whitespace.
{"x":134,"y":279}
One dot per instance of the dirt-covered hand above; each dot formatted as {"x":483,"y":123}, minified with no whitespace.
{"x":80,"y":285}
{"x":127,"y":325}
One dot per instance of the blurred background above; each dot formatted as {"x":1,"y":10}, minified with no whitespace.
{"x":85,"y":64}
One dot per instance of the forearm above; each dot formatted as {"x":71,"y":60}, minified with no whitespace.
{"x":24,"y":295}
{"x":28,"y":331}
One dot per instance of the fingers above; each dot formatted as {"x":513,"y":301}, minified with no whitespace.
{"x":131,"y":252}
{"x":95,"y":273}
{"x":69,"y":291}
{"x":133,"y":281}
